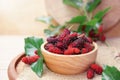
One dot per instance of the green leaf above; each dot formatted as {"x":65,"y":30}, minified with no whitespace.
{"x":99,"y":15}
{"x":110,"y":73}
{"x":78,"y":19}
{"x":32,"y":44}
{"x":45,"y":19}
{"x":92,"y":22}
{"x":37,"y":67}
{"x":92,"y":5}
{"x":80,"y":28}
{"x":91,"y":25}
{"x":74,"y":3}
{"x":53,"y":31}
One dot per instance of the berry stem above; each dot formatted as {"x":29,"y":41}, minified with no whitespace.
{"x":85,"y":11}
{"x":106,"y":43}
{"x":70,"y":27}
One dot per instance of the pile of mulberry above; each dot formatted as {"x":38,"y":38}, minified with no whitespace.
{"x":69,"y":43}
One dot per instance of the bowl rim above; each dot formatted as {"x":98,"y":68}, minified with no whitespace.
{"x":54,"y":54}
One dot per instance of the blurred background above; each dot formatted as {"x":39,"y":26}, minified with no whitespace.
{"x":17,"y":21}
{"x":17,"y":17}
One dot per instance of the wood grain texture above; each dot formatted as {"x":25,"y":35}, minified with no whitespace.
{"x":105,"y":55}
{"x":69,"y":64}
{"x":12,"y":73}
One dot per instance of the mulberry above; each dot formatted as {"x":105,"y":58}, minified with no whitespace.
{"x":84,"y":50}
{"x":52,"y":39}
{"x":48,"y":45}
{"x":78,"y":43}
{"x":102,"y":38}
{"x":100,"y":29}
{"x":98,"y":69}
{"x":55,"y":50}
{"x":63,"y":34}
{"x":30,"y":59}
{"x":90,"y":74}
{"x":88,"y":46}
{"x":71,"y":51}
{"x":59,"y":45}
{"x":70,"y":38}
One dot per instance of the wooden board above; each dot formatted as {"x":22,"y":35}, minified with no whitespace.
{"x":15,"y":50}
{"x":62,"y":13}
{"x":105,"y":56}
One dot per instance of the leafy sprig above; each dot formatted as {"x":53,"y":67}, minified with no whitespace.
{"x":31,"y":45}
{"x":86,"y":18}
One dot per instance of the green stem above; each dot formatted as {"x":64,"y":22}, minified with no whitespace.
{"x":107,"y":44}
{"x":86,"y":13}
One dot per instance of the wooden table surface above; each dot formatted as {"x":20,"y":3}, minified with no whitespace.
{"x":11,"y":46}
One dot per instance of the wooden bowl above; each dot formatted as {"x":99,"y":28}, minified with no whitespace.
{"x":69,"y":64}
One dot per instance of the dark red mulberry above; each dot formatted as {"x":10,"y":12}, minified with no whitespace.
{"x":30,"y":59}
{"x":84,"y":50}
{"x":36,"y":52}
{"x":52,"y":39}
{"x":59,"y":45}
{"x":90,"y":74}
{"x":68,"y":39}
{"x":78,"y":43}
{"x":55,"y":50}
{"x":92,"y":33}
{"x":88,"y":46}
{"x":63,"y":34}
{"x":102,"y":38}
{"x":71,"y":51}
{"x":100,"y":29}
{"x":89,"y":40}
{"x":98,"y":69}
{"x":48,"y":45}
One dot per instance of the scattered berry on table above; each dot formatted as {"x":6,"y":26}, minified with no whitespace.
{"x":98,"y":69}
{"x":90,"y":74}
{"x":94,"y":68}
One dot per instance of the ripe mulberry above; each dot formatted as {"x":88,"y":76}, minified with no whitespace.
{"x":59,"y":45}
{"x":78,"y":43}
{"x":63,"y":34}
{"x":55,"y":50}
{"x":30,"y":59}
{"x":48,"y":45}
{"x":84,"y":50}
{"x":71,"y":51}
{"x":98,"y":69}
{"x":52,"y":39}
{"x":102,"y":38}
{"x":100,"y":29}
{"x":90,"y":74}
{"x":70,"y":38}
